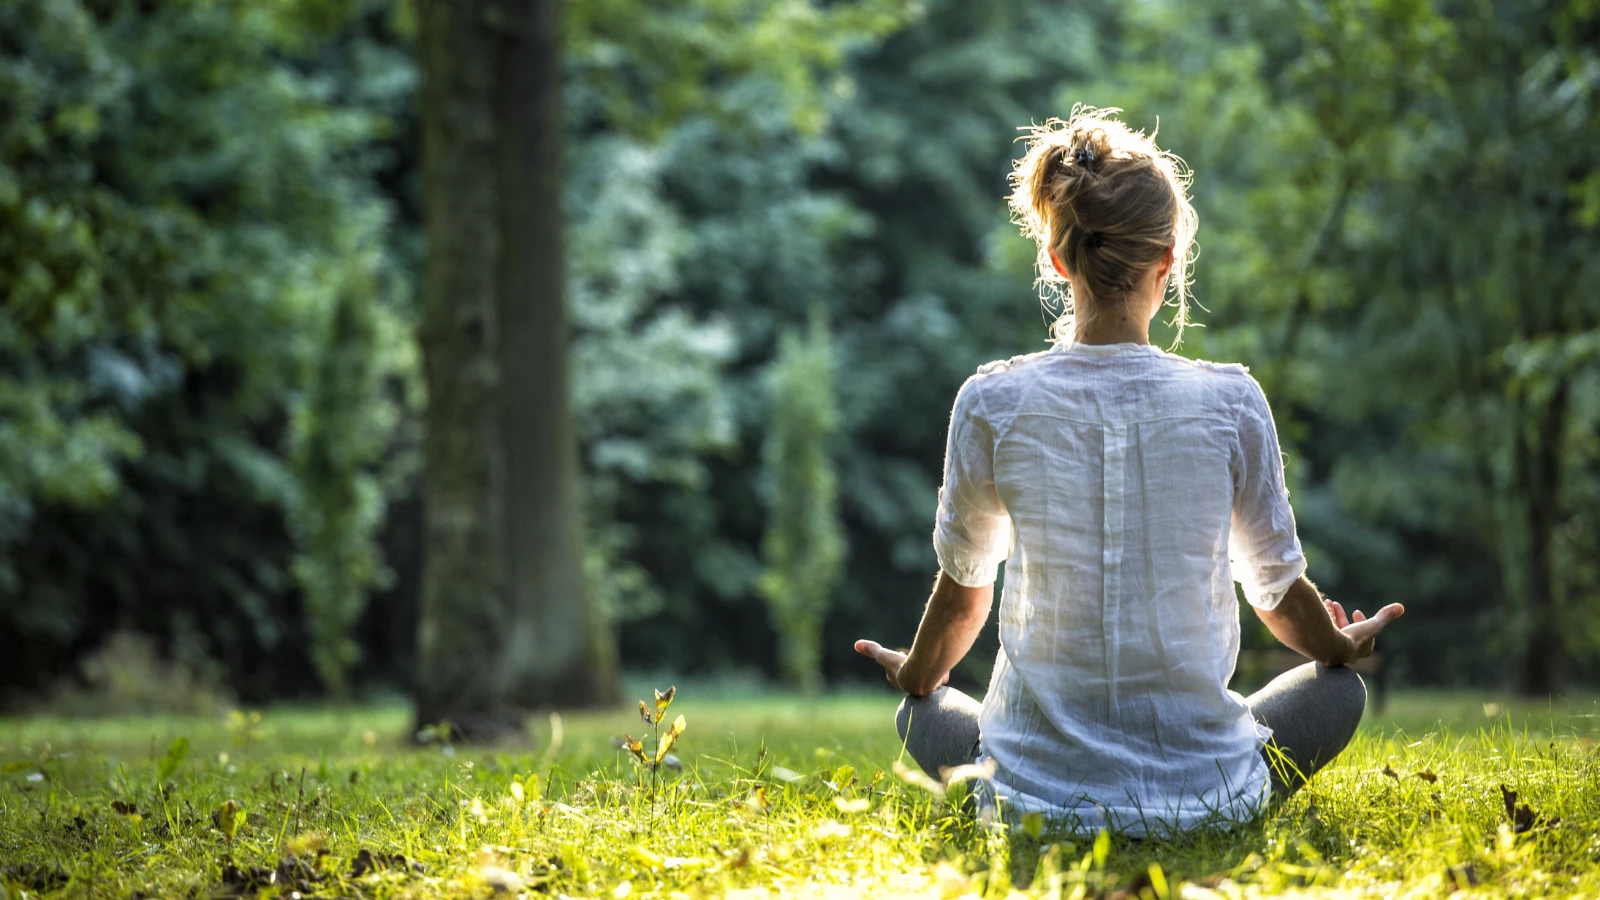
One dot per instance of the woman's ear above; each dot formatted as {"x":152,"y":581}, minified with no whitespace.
{"x":1062,"y":269}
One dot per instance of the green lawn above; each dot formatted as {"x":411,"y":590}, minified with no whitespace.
{"x":762,"y":807}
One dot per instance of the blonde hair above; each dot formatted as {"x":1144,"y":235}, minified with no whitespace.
{"x":1109,"y":202}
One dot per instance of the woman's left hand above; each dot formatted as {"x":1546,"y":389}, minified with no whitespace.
{"x":893,"y":661}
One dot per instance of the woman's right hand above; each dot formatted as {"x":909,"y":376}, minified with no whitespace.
{"x":1360,"y":630}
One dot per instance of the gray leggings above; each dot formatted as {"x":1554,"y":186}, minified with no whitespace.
{"x":1312,"y":710}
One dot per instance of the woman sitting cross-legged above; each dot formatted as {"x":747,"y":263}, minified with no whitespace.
{"x":1128,"y":488}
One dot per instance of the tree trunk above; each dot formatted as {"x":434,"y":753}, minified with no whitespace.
{"x":558,"y":653}
{"x":1542,"y":668}
{"x":462,"y":615}
{"x":504,"y":622}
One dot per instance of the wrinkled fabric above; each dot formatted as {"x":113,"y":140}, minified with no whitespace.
{"x":1126,"y":488}
{"x":1313,"y":711}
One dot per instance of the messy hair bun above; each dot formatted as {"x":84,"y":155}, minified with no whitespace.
{"x":1109,"y":202}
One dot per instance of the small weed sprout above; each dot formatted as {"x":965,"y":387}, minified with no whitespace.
{"x":245,"y":728}
{"x":661,"y":753}
{"x":438,"y":734}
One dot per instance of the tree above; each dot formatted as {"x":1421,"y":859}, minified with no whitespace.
{"x":804,"y":544}
{"x":200,"y":343}
{"x":505,"y":622}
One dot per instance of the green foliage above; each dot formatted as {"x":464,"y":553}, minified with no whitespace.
{"x":804,"y":544}
{"x":204,"y":354}
{"x":647,"y":64}
{"x":327,"y":436}
{"x":338,"y":802}
{"x":347,"y":426}
{"x":648,"y":376}
{"x":208,"y":228}
{"x":693,"y":240}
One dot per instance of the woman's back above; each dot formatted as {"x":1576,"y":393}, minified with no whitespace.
{"x":1121,"y":472}
{"x":1129,"y":488}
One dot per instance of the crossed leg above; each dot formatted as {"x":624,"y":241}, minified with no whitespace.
{"x":1312,"y":709}
{"x":939,"y":730}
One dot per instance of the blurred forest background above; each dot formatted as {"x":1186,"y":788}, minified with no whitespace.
{"x":786,"y":246}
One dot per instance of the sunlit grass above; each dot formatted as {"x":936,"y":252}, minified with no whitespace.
{"x":762,"y":806}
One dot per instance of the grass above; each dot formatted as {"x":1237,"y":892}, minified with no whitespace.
{"x":305,"y":799}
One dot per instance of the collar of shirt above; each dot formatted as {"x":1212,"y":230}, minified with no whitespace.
{"x":1123,"y":349}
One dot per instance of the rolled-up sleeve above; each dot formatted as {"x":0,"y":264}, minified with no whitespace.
{"x":972,"y":530}
{"x":1263,"y":548}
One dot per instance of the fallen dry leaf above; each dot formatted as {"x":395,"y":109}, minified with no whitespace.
{"x":366,"y":861}
{"x":1523,"y":817}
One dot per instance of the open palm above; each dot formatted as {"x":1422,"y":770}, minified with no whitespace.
{"x":891,"y":660}
{"x":1360,"y":629}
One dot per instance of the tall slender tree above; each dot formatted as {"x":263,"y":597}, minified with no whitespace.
{"x":804,"y":543}
{"x":505,"y":623}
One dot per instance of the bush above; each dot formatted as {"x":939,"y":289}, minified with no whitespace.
{"x":204,"y":356}
{"x":126,"y":675}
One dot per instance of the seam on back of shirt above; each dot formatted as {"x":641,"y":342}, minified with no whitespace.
{"x":1175,"y":417}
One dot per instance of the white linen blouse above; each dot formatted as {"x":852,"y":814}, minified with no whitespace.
{"x":1128,"y":488}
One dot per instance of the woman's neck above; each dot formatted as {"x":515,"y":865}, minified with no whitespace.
{"x":1127,"y":322}
{"x":1112,"y":326}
